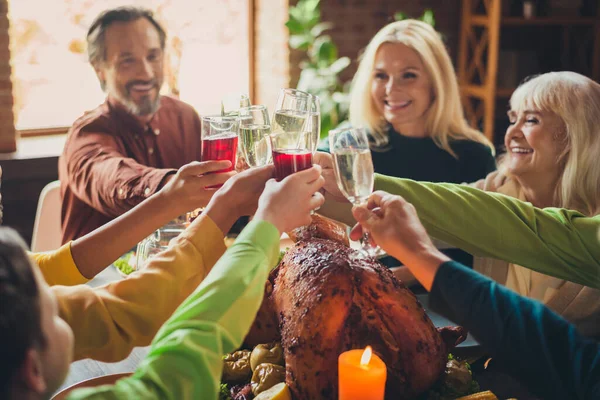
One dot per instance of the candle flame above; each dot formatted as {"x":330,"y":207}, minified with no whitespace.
{"x":366,"y":357}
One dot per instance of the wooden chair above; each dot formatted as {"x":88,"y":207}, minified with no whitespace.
{"x":47,"y":228}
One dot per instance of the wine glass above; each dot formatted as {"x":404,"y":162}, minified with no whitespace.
{"x":314,"y":121}
{"x":231,"y":103}
{"x":220,"y":139}
{"x":291,"y":111}
{"x":292,"y":152}
{"x":354,"y":172}
{"x":254,"y":131}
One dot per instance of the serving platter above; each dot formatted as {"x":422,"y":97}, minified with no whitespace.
{"x":469,"y":348}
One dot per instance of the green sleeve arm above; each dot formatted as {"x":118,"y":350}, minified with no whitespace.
{"x":553,"y":241}
{"x":185,"y":359}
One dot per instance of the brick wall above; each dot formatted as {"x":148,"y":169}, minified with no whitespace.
{"x":7,"y":129}
{"x":357,"y":21}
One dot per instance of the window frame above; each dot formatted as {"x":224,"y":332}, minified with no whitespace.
{"x":61,"y":130}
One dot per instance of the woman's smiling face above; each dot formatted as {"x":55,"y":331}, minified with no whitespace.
{"x":534,"y":142}
{"x":401,"y":88}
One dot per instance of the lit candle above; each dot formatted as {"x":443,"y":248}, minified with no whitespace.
{"x":361,"y":375}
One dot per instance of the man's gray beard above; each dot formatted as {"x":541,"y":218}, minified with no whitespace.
{"x":145,"y":108}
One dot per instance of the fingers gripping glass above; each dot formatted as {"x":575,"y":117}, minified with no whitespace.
{"x":354,"y":172}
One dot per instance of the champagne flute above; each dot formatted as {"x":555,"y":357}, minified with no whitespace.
{"x":291,"y":111}
{"x":314,"y":121}
{"x":292,"y":152}
{"x":231,"y":103}
{"x":354,"y":172}
{"x":254,"y":131}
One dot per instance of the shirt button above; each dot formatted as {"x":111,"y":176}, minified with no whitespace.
{"x":157,"y":131}
{"x":147,"y":191}
{"x":151,"y":150}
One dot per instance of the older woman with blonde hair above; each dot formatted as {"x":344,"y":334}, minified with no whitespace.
{"x":406,"y":94}
{"x":552,"y":153}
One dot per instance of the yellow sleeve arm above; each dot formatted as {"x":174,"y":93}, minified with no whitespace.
{"x":58,"y":267}
{"x":110,"y":320}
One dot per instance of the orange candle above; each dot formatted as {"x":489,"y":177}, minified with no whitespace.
{"x":361,"y":375}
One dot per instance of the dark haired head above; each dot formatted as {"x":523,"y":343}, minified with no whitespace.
{"x":97,"y":32}
{"x":20,"y":318}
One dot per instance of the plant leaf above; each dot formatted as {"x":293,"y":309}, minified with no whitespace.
{"x":320,"y":28}
{"x":294,"y":26}
{"x":324,"y":50}
{"x":340,"y":64}
{"x":399,"y":16}
{"x":310,"y":5}
{"x":298,"y":15}
{"x":428,"y":17}
{"x":300,"y":42}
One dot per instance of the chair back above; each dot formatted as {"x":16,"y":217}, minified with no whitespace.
{"x":47,"y":227}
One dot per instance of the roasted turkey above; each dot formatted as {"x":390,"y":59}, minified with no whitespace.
{"x":325,"y":298}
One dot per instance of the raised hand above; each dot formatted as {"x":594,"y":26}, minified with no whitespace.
{"x":238,"y":196}
{"x":191,"y":186}
{"x":394,"y":226}
{"x":325,"y":161}
{"x":288,"y":204}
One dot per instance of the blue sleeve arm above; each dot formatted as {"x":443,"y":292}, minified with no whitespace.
{"x":528,"y":340}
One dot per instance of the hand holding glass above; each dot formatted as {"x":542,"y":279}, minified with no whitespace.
{"x":354,"y":171}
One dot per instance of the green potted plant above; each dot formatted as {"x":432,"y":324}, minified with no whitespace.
{"x":321,"y":68}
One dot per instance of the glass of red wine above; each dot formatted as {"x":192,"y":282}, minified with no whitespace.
{"x":292,"y":152}
{"x":220,"y":138}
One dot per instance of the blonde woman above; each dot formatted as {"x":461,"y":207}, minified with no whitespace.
{"x":406,"y":94}
{"x":553,"y":148}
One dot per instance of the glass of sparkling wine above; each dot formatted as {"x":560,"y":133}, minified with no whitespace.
{"x":314,"y":121}
{"x":354,"y":172}
{"x":254,"y":135}
{"x":291,"y":111}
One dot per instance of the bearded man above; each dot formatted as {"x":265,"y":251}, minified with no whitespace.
{"x":129,"y":147}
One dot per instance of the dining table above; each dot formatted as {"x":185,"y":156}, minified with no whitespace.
{"x":87,"y":369}
{"x":489,"y":375}
{"x":83,"y":370}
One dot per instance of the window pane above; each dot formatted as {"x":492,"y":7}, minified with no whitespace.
{"x":207,"y":55}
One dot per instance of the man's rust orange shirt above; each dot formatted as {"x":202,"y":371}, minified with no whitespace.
{"x":111,"y":162}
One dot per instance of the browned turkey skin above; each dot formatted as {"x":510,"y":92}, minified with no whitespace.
{"x":325,"y":298}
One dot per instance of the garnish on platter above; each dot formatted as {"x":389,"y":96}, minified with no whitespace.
{"x":125,"y":264}
{"x":248,"y":374}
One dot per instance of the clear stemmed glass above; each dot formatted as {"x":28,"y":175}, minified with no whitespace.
{"x":314,"y":121}
{"x":254,"y":131}
{"x":354,"y":172}
{"x":291,"y":111}
{"x":230,"y":104}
